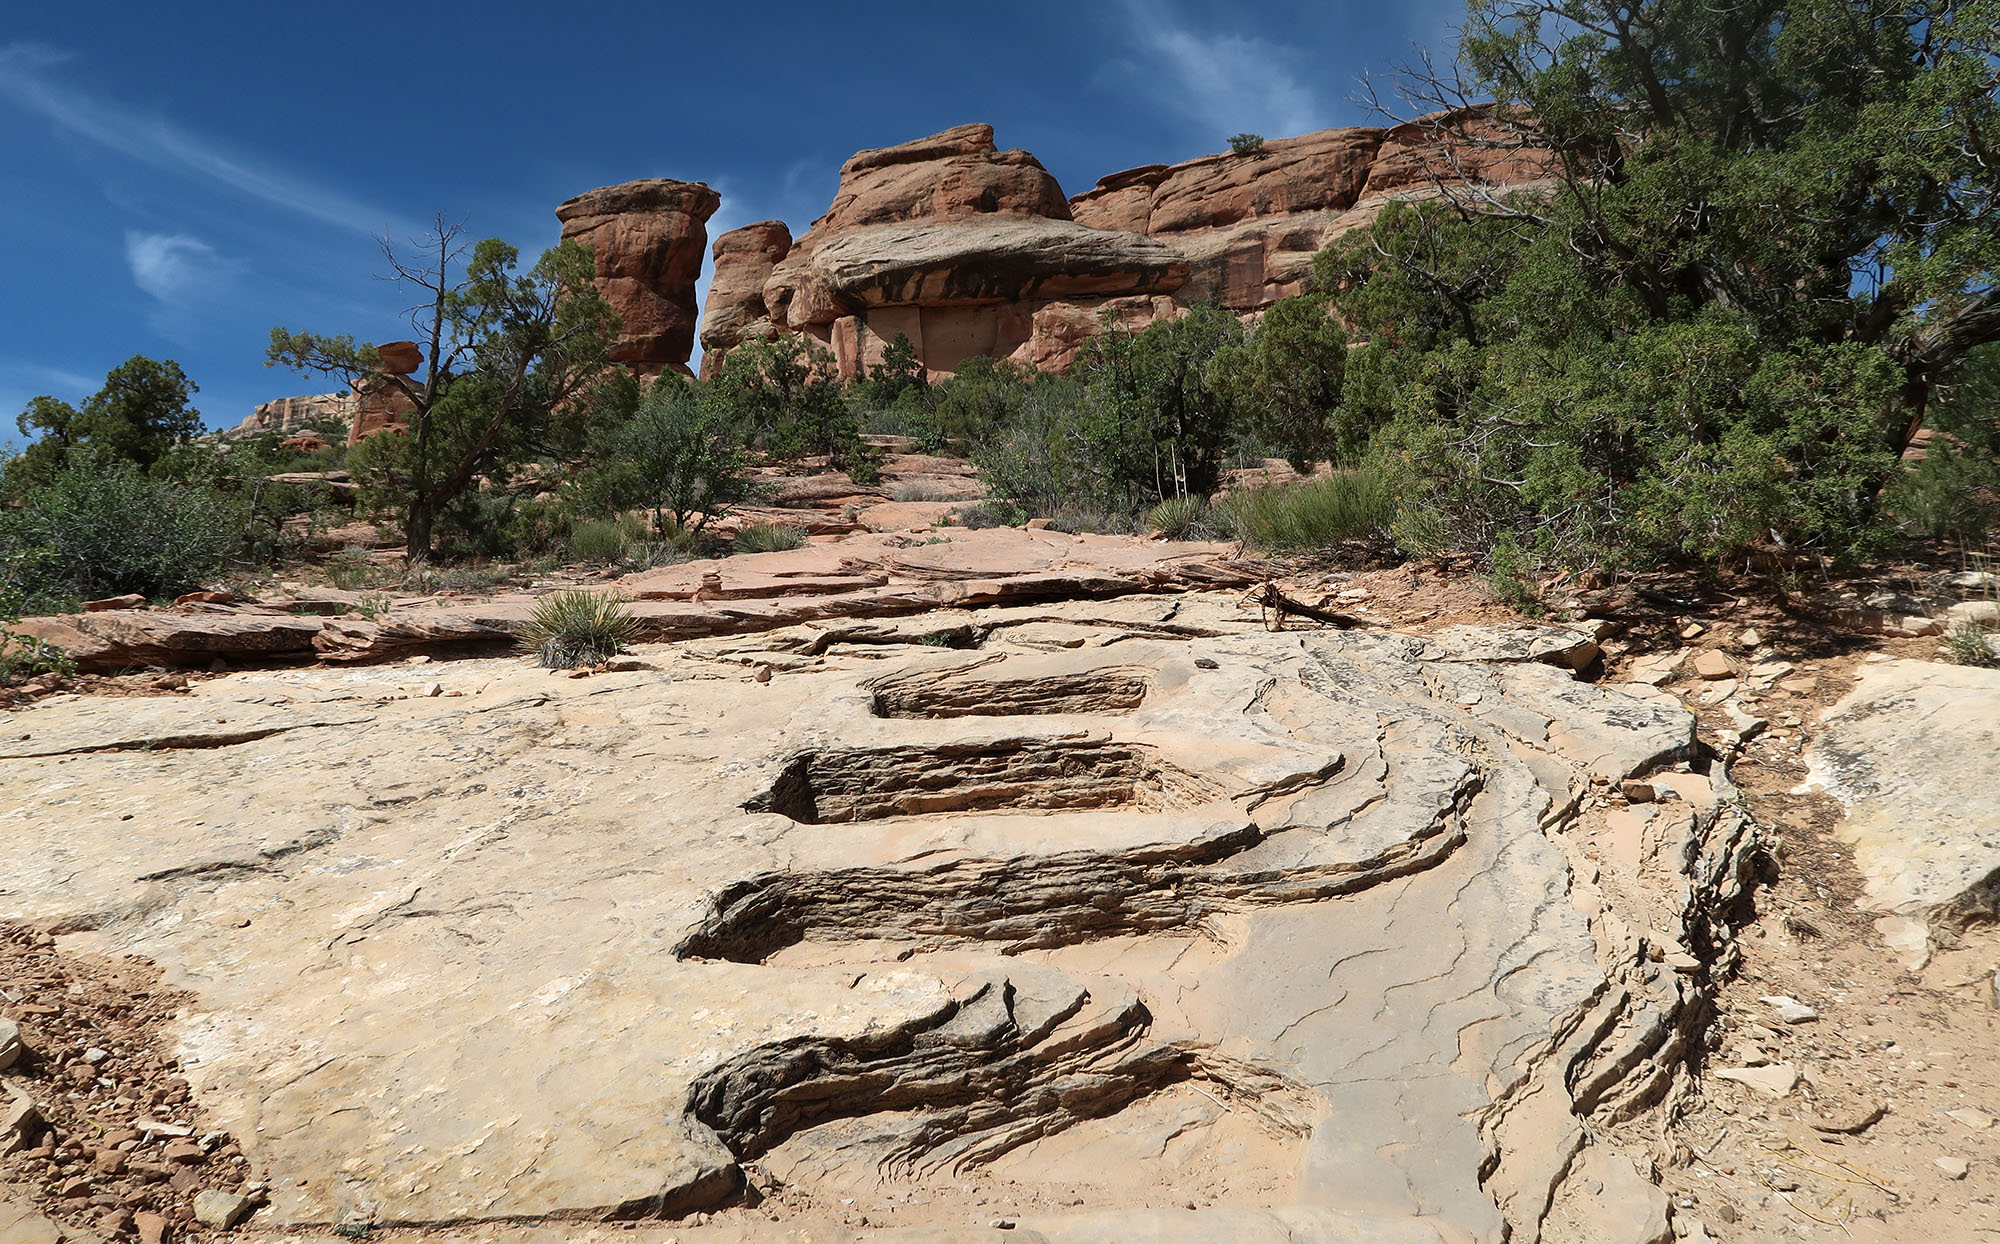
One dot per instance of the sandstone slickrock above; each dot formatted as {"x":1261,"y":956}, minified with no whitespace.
{"x":1289,"y":922}
{"x":649,"y":237}
{"x":1911,"y":755}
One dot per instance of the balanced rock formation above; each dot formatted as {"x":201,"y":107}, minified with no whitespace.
{"x":648,"y":237}
{"x":947,"y":240}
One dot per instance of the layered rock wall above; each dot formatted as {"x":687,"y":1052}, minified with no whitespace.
{"x":285,"y":413}
{"x":961,"y":247}
{"x":967,"y":249}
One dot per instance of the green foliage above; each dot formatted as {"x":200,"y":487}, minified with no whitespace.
{"x":606,"y":541}
{"x":1954,"y":492}
{"x":768,"y":538}
{"x":787,"y":397}
{"x":679,"y":454}
{"x":899,"y":372}
{"x":137,"y":417}
{"x":100,"y":528}
{"x":1765,"y":242}
{"x":1158,"y":418}
{"x":1512,"y":575}
{"x":1287,"y":381}
{"x":1177,"y":518}
{"x":1246,"y":144}
{"x":577,"y":628}
{"x":1320,"y":513}
{"x":514,"y":364}
{"x":981,"y":397}
{"x":23,"y":657}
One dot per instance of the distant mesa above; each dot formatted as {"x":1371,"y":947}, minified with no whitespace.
{"x":967,"y":249}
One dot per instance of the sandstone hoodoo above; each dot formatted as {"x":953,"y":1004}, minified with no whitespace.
{"x":649,"y":237}
{"x":735,"y":310}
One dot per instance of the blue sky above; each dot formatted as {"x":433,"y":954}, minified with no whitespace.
{"x":175,"y":179}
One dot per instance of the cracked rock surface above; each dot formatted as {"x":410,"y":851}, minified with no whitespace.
{"x":1230,"y":934}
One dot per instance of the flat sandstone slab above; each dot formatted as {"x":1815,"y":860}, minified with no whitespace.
{"x":1277,"y":908}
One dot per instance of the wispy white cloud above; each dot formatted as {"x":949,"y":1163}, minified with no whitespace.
{"x":26,"y":81}
{"x":172,"y":267}
{"x":1224,"y":83}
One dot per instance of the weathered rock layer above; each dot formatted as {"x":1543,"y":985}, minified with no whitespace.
{"x":1296,"y":919}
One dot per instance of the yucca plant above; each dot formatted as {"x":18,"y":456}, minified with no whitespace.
{"x":575,"y":628}
{"x":767,"y":538}
{"x":1177,"y":517}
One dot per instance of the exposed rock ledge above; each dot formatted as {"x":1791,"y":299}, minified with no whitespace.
{"x":1301,"y":926}
{"x":864,"y":576}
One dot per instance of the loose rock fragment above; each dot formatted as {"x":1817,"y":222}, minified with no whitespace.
{"x":1775,"y":1080}
{"x":1791,"y":1010}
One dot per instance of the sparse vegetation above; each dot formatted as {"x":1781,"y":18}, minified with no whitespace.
{"x":1246,"y":144}
{"x":23,"y":657}
{"x":768,"y":538}
{"x":574,"y":628}
{"x":1969,"y":642}
{"x":1320,"y":513}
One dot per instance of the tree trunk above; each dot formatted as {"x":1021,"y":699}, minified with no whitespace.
{"x":421,"y":518}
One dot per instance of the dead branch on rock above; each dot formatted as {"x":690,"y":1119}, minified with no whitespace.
{"x":1275,"y":605}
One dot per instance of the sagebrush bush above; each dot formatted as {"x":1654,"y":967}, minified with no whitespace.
{"x":576,"y":628}
{"x":1347,"y":505}
{"x":768,"y":538}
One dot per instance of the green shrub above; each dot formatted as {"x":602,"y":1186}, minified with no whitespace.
{"x":101,"y":528}
{"x":1176,"y":518}
{"x":23,"y":657}
{"x":1969,"y":643}
{"x":983,"y":514}
{"x":607,"y":541}
{"x":577,"y":628}
{"x":1347,"y":505}
{"x":1246,"y":144}
{"x":768,"y":538}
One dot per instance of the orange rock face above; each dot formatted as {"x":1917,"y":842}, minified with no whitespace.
{"x":648,"y":237}
{"x":946,"y":240}
{"x":400,"y":358}
{"x":966,"y":249}
{"x":735,"y":308}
